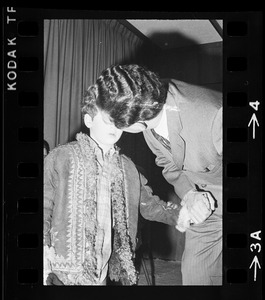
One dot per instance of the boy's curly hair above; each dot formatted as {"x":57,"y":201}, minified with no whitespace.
{"x":128,"y":93}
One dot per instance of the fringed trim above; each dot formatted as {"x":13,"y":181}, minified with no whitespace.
{"x":90,"y":208}
{"x":121,"y":265}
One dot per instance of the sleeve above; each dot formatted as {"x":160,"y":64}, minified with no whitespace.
{"x":171,"y":172}
{"x":153,"y":208}
{"x":50,"y":183}
{"x":217,"y":132}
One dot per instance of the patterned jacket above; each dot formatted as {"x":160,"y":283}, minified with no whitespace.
{"x":68,"y":184}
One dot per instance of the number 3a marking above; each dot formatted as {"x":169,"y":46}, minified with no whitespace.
{"x":255,"y":105}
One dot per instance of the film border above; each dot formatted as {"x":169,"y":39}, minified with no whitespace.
{"x":23,"y":115}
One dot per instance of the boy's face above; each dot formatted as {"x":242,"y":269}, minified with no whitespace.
{"x":103,"y":131}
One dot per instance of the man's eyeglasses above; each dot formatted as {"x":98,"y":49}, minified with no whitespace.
{"x":143,"y":123}
{"x":136,"y":127}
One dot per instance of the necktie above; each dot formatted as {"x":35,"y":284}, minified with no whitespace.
{"x":162,"y":140}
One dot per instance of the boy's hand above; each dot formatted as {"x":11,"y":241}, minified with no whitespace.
{"x":171,"y":205}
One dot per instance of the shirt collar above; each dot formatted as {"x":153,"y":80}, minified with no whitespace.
{"x":161,"y":128}
{"x":98,"y":150}
{"x":94,"y":145}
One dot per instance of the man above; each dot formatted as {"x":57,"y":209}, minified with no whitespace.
{"x":182,"y":125}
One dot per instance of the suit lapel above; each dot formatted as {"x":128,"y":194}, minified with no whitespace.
{"x":174,"y":128}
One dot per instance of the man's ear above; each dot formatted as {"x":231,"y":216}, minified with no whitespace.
{"x":88,"y":120}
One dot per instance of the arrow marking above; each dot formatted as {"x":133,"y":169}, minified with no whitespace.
{"x":255,"y":261}
{"x":255,"y":122}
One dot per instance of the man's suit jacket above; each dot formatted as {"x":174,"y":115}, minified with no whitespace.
{"x":194,"y":119}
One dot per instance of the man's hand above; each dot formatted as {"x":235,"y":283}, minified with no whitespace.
{"x":196,"y":208}
{"x":200,"y":206}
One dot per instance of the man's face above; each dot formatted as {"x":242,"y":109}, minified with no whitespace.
{"x":103,"y":130}
{"x":143,"y":125}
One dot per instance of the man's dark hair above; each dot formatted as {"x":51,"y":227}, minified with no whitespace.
{"x":128,"y":93}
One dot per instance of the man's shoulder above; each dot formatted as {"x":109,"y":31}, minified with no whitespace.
{"x":194,"y":93}
{"x":188,"y":86}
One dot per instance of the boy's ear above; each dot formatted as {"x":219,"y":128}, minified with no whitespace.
{"x":88,"y":120}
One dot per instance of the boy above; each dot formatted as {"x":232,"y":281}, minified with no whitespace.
{"x":92,"y":197}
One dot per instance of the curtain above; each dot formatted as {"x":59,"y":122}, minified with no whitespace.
{"x":75,"y":53}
